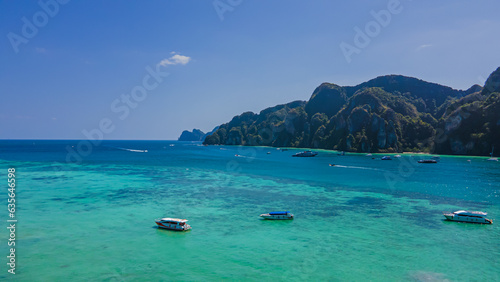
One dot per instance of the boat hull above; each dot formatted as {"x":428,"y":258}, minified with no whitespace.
{"x":175,"y":227}
{"x":305,"y":154}
{"x":454,"y":217}
{"x":277,"y":217}
{"x":427,"y":162}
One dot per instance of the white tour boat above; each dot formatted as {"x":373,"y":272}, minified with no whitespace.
{"x":278,"y":215}
{"x":469,"y":216}
{"x":173,"y":223}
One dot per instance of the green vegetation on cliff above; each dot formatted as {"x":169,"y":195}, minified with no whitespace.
{"x":387,"y":114}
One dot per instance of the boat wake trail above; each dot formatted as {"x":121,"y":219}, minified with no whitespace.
{"x":240,"y":156}
{"x":130,"y":150}
{"x":357,"y":167}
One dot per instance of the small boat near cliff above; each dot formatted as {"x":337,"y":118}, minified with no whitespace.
{"x":491,"y":155}
{"x":279,"y":215}
{"x":305,"y":154}
{"x":468,"y":216}
{"x":427,"y":161}
{"x":386,"y":158}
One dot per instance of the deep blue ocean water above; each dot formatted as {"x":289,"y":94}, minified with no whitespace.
{"x":89,"y":215}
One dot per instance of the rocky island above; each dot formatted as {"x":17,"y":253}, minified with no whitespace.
{"x":195,"y":135}
{"x":391,"y":113}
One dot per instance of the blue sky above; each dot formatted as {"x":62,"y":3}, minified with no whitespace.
{"x":222,"y":59}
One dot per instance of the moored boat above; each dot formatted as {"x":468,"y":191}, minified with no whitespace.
{"x":305,"y":154}
{"x":491,"y":155}
{"x":427,"y":161}
{"x":277,"y":215}
{"x":173,"y":224}
{"x":468,"y":216}
{"x":386,"y":158}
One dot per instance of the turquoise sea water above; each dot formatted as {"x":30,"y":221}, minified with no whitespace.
{"x":363,"y":219}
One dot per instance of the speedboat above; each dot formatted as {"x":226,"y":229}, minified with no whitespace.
{"x":427,"y":161}
{"x":305,"y":154}
{"x":386,"y":158}
{"x":277,"y":215}
{"x":397,"y":156}
{"x":468,"y":216}
{"x":173,"y":224}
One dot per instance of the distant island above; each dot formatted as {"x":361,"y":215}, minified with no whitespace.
{"x":195,"y":135}
{"x":391,"y":113}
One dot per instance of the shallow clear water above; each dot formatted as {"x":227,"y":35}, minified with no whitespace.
{"x":363,"y":219}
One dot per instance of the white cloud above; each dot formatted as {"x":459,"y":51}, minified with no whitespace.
{"x":175,"y":60}
{"x":423,"y":46}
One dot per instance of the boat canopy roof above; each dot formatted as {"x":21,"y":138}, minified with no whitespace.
{"x":174,"y":219}
{"x":279,"y":213}
{"x":470,"y":213}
